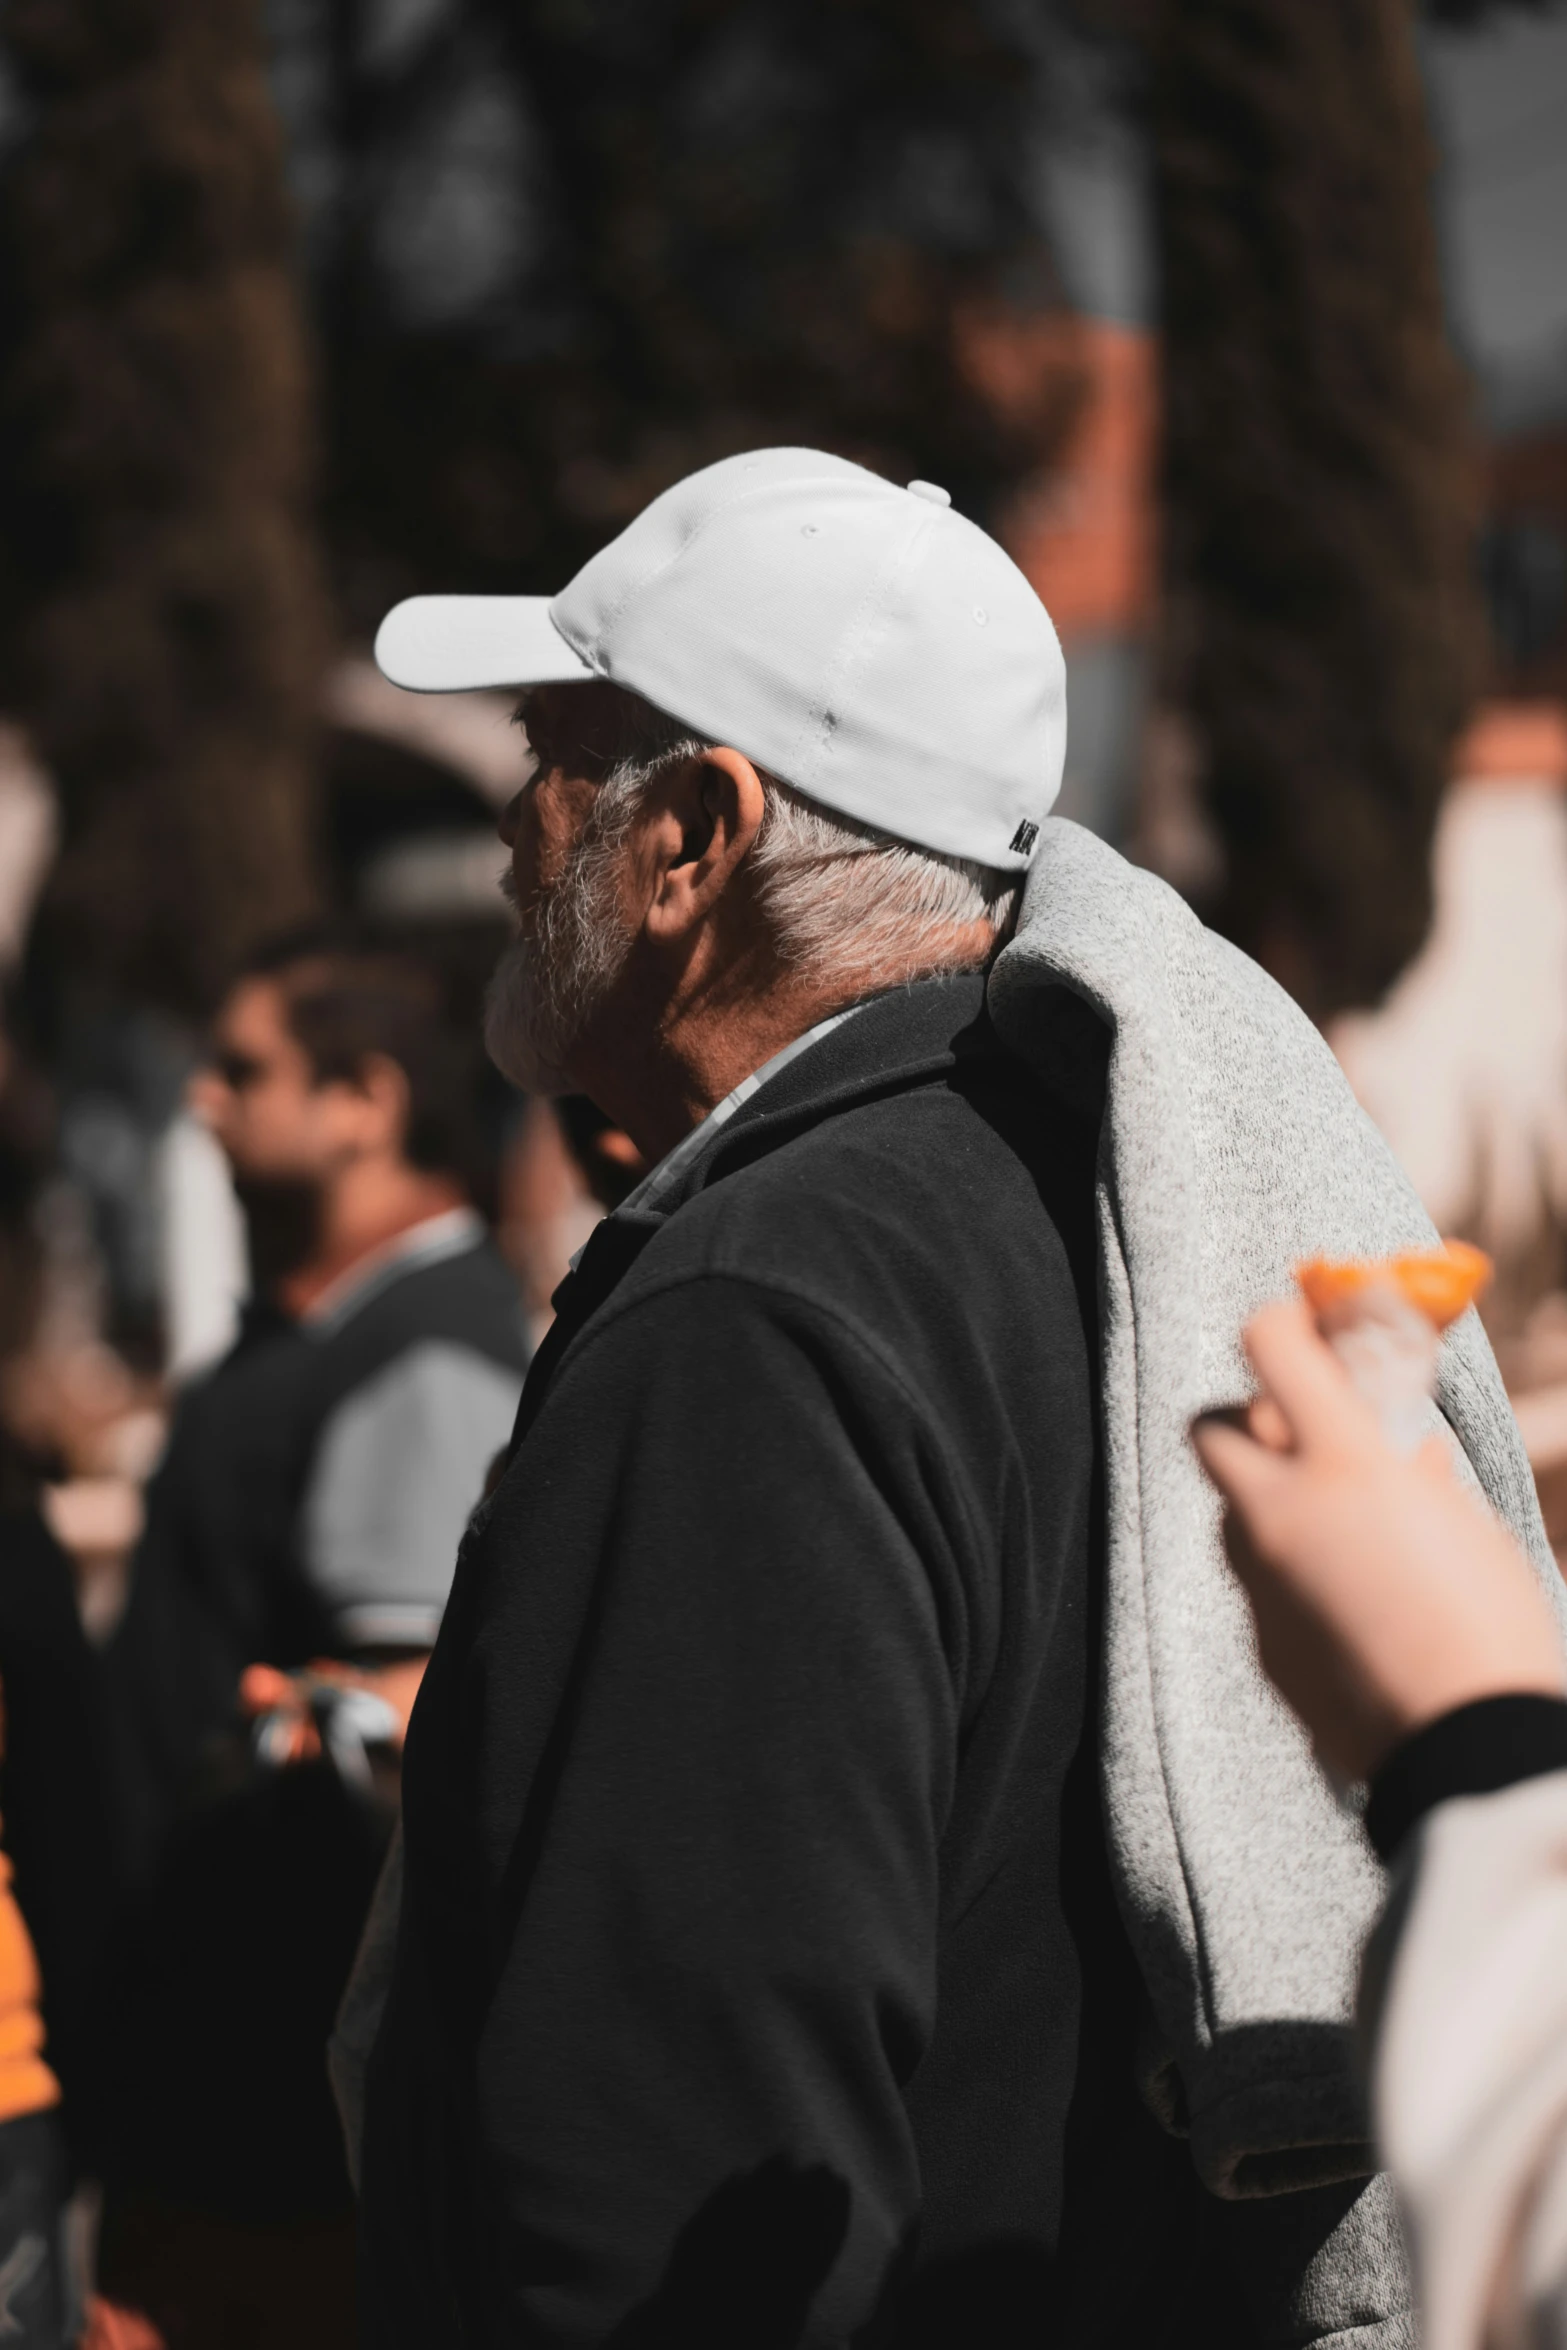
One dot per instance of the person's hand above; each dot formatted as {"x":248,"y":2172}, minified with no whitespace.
{"x":289,"y":1701}
{"x":1384,"y":1593}
{"x":277,"y":1702}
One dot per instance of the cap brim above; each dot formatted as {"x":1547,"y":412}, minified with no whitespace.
{"x":456,"y":644}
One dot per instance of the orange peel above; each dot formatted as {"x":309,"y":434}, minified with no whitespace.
{"x":1437,"y":1282}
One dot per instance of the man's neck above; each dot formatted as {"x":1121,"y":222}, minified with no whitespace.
{"x":365,"y":1210}
{"x":671,"y":1082}
{"x":665,"y":1049}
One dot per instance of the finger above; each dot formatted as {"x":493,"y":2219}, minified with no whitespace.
{"x":1260,"y":1419}
{"x":334,"y":1674}
{"x":1300,"y":1371}
{"x":1267,"y":1424}
{"x":1242,"y":1469}
{"x":263,"y":1689}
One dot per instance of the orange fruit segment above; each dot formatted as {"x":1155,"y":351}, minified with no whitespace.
{"x":1437,"y":1282}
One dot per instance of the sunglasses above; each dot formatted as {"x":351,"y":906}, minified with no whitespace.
{"x":239,"y":1070}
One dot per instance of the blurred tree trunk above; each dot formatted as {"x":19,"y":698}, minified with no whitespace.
{"x":1318,"y":474}
{"x":165,"y":629}
{"x":740,"y":222}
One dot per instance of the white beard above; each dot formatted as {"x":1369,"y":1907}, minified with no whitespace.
{"x":571,"y":946}
{"x":517,"y":1029}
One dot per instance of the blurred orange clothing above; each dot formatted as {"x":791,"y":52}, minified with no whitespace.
{"x":26,"y":2083}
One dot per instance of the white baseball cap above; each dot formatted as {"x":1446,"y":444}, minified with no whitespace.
{"x":863,"y":643}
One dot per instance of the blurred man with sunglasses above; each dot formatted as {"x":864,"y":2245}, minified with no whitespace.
{"x":308,"y":1507}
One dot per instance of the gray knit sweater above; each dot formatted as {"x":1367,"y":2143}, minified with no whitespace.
{"x":1231,"y":1148}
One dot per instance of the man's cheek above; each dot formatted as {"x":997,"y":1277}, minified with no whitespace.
{"x":534,"y":864}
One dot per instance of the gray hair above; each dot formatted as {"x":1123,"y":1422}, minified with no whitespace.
{"x":836,"y":895}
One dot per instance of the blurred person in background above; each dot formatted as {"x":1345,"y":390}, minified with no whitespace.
{"x":610,"y":1162}
{"x":58,"y":1880}
{"x":562,"y":1167}
{"x":34,"y":2165}
{"x":315,"y":1483}
{"x":1400,"y":1621}
{"x":308,"y":1506}
{"x":60,"y":1857}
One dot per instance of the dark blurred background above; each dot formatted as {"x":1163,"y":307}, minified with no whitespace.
{"x":1244,"y":325}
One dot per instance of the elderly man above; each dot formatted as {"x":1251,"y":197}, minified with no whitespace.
{"x":759,"y":1976}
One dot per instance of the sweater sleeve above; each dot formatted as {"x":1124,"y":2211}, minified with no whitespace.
{"x":1465,"y":2006}
{"x":397,"y":1469}
{"x":714,"y":1917}
{"x":1477,"y":1749}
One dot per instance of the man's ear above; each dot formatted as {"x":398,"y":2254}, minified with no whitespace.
{"x":712,"y":816}
{"x":381,"y":1095}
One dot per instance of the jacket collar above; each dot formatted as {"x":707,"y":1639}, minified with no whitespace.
{"x":898,"y":1041}
{"x":662,"y":1182}
{"x":907,"y":1038}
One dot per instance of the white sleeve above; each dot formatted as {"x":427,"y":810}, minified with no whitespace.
{"x":1469,"y":2019}
{"x":398,"y":1469}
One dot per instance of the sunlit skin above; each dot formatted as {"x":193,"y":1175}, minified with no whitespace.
{"x":259,"y":1096}
{"x":703,"y":999}
{"x":1384,"y":1593}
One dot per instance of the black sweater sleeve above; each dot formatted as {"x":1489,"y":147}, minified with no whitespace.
{"x":1474,"y":1750}
{"x":711,"y":1808}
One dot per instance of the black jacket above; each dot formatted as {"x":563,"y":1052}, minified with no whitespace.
{"x":250,"y":1887}
{"x":756,"y":1949}
{"x":217,"y":1582}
